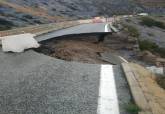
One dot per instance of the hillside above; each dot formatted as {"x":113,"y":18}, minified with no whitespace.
{"x":25,"y":12}
{"x":152,"y":3}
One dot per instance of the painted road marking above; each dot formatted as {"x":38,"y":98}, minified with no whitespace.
{"x":108,"y":101}
{"x":107,"y":28}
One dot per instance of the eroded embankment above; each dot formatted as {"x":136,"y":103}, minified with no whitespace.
{"x":94,"y":49}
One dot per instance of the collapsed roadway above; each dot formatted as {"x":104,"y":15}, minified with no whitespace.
{"x":35,"y":83}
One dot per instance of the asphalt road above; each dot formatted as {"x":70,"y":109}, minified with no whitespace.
{"x":80,"y":29}
{"x":33,"y":83}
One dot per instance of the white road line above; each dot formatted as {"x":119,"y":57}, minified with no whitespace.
{"x":106,"y":28}
{"x":108,"y":101}
{"x":123,"y":59}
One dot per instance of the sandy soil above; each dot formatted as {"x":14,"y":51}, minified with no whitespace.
{"x":78,"y":49}
{"x":74,"y":50}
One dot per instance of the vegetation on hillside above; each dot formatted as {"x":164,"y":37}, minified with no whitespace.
{"x":147,"y":45}
{"x":161,"y":81}
{"x":132,"y":108}
{"x":5,"y":25}
{"x":151,"y":46}
{"x":133,"y":31}
{"x":150,"y":22}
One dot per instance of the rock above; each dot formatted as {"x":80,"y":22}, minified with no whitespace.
{"x":147,"y":56}
{"x":160,"y":62}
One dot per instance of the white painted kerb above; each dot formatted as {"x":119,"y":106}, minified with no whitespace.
{"x":108,"y":101}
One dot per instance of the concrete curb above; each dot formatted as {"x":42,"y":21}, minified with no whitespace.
{"x":135,"y":89}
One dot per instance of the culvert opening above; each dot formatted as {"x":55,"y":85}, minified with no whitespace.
{"x":80,"y":48}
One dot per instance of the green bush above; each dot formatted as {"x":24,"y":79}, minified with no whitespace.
{"x":151,"y":46}
{"x":132,"y":31}
{"x":161,"y":51}
{"x":161,"y":81}
{"x":147,"y":21}
{"x":132,"y":108}
{"x":147,"y":45}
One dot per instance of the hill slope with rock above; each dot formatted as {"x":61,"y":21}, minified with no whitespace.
{"x":25,"y":12}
